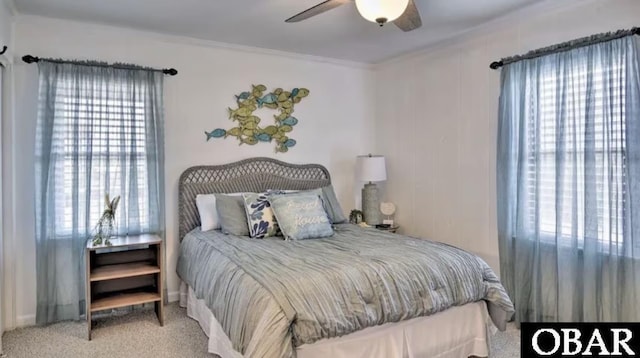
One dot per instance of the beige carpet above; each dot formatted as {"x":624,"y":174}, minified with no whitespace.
{"x":138,"y":335}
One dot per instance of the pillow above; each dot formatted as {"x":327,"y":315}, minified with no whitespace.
{"x":329,"y":200}
{"x":332,"y":206}
{"x":208,"y":212}
{"x":301,"y":216}
{"x":233,"y":219}
{"x":206,"y":205}
{"x":259,"y":215}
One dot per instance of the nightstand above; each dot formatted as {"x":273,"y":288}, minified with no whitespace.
{"x":392,"y":229}
{"x":129,"y":272}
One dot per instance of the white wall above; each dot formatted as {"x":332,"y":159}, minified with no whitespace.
{"x":437,"y":119}
{"x":6,"y":23}
{"x":336,"y":120}
{"x":6,"y":39}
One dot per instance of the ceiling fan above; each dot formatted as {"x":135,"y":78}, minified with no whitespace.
{"x":403,"y":13}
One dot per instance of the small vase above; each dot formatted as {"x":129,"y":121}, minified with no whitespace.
{"x":105,"y":232}
{"x":111,"y":233}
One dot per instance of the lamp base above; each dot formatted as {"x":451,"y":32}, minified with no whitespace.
{"x":371,"y":204}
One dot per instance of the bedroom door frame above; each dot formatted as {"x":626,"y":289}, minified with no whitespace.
{"x":3,"y":111}
{"x":7,"y":267}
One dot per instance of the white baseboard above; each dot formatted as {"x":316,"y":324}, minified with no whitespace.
{"x":173,"y":296}
{"x":30,"y":320}
{"x":25,"y":321}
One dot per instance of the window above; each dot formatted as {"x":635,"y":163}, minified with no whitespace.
{"x":101,"y":148}
{"x":594,"y":153}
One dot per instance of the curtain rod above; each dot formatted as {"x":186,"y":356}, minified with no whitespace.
{"x":566,"y":46}
{"x":32,"y":59}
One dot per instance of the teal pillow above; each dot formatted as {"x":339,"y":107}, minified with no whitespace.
{"x":332,"y":206}
{"x":301,"y":216}
{"x":259,"y":215}
{"x":233,"y":218}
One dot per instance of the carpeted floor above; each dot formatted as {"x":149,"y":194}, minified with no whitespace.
{"x":138,"y":335}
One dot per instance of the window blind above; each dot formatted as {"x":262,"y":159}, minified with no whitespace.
{"x":587,"y":133}
{"x":102,"y":149}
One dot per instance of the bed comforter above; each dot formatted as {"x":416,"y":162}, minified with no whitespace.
{"x":271,"y":295}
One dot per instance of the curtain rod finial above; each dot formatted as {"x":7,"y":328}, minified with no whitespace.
{"x":170,"y":71}
{"x":30,"y":59}
{"x":495,"y":65}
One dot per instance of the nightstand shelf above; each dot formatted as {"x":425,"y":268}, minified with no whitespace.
{"x":123,"y":300}
{"x":128,"y":272}
{"x":110,"y":272}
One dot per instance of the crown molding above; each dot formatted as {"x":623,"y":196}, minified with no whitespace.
{"x":185,"y":40}
{"x":509,"y":19}
{"x":459,"y":37}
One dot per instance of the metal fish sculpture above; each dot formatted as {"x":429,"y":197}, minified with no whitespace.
{"x":303,"y":92}
{"x":271,"y":130}
{"x":263,"y":137}
{"x":240,"y":112}
{"x":285,"y":129}
{"x":243,"y":96}
{"x":247,"y":128}
{"x":269,"y":98}
{"x":284,"y":96}
{"x":257,"y":91}
{"x":216,"y":133}
{"x":249,"y":103}
{"x":248,"y":140}
{"x":234,"y":132}
{"x":290,"y":121}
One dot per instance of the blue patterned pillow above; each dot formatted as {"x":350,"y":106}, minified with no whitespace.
{"x":301,"y":216}
{"x":260,"y":217}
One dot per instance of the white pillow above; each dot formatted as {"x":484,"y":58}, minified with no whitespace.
{"x":209,"y":218}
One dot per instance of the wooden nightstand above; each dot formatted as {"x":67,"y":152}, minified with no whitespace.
{"x":129,"y":272}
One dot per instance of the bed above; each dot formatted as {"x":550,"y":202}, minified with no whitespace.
{"x":359,"y":293}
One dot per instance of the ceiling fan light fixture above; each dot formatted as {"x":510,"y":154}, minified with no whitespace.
{"x":381,"y":11}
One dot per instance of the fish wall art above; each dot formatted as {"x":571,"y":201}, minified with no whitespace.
{"x":248,"y":128}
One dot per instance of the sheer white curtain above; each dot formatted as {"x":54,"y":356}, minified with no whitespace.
{"x":100,"y":130}
{"x":568,"y":174}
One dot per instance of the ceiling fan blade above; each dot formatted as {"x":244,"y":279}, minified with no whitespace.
{"x":410,"y":19}
{"x":316,"y":10}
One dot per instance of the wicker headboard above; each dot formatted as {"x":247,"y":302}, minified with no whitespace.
{"x":249,"y":175}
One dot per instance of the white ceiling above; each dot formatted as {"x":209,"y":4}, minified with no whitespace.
{"x":339,"y":33}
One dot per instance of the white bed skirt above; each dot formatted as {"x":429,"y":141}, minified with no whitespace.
{"x":455,"y":333}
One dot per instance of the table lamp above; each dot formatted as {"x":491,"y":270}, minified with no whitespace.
{"x":371,"y":168}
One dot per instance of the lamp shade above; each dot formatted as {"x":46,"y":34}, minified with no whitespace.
{"x":371,"y":168}
{"x":381,"y":11}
